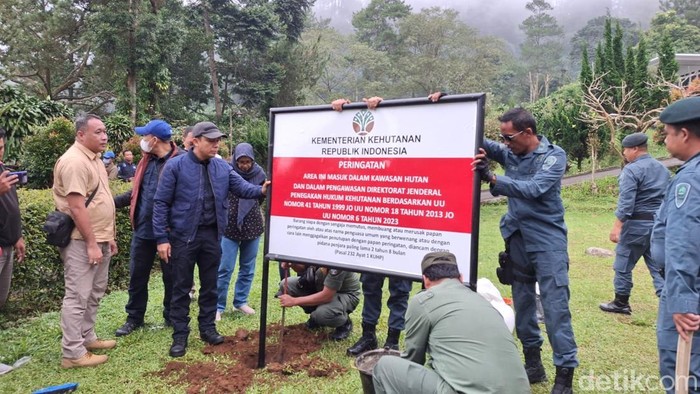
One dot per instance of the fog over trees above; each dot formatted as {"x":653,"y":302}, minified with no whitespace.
{"x":501,"y":18}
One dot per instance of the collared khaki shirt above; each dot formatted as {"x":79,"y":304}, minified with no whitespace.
{"x":80,"y":171}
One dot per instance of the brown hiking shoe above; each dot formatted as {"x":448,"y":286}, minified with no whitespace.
{"x":88,"y":360}
{"x":101,"y":344}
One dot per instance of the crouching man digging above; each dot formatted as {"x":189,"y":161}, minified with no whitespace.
{"x":471,"y":349}
{"x":328,"y":295}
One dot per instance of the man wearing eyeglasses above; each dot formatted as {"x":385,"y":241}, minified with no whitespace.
{"x":536,"y":238}
{"x":189,"y":218}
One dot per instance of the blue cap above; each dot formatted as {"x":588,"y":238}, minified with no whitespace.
{"x":159,"y":128}
{"x":108,"y":155}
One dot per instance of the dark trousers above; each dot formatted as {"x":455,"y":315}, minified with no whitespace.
{"x":205,"y":251}
{"x":399,"y":290}
{"x":143,"y":254}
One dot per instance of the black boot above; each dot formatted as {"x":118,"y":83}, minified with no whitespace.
{"x":343,"y":331}
{"x":563,"y":381}
{"x":533,"y":365}
{"x":179,"y":347}
{"x":367,"y":341}
{"x":619,"y":305}
{"x":392,"y":339}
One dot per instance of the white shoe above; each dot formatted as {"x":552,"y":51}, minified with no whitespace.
{"x":218,"y":316}
{"x":245,"y":309}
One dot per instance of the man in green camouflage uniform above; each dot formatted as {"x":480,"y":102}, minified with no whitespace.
{"x":471,"y":349}
{"x":328,"y":295}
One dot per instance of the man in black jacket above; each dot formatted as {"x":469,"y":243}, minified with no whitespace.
{"x":157,"y":149}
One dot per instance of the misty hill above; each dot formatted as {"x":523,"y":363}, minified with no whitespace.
{"x":501,"y":18}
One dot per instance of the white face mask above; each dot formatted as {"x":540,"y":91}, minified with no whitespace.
{"x":144,"y":145}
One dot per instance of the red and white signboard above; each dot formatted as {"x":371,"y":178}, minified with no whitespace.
{"x":375,"y":191}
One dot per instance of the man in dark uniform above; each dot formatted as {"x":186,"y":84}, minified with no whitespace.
{"x":328,"y":295}
{"x":642,"y":185}
{"x":189,"y":218}
{"x":679,"y":306}
{"x":127,"y":168}
{"x":536,"y":236}
{"x":372,"y":307}
{"x":157,"y":149}
{"x":471,"y":349}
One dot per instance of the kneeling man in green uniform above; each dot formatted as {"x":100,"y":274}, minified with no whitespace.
{"x":327,"y":295}
{"x":470,"y":347}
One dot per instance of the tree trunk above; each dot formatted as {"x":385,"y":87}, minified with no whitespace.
{"x":547,"y":82}
{"x":593,"y":143}
{"x":131,"y":69}
{"x":212,"y":62}
{"x":534,"y":85}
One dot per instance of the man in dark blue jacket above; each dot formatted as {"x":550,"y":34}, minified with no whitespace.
{"x":189,"y":218}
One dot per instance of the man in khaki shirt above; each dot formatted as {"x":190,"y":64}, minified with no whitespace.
{"x":77,"y":174}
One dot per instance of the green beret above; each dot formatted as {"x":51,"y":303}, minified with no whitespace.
{"x":685,"y":110}
{"x":437,"y":258}
{"x":634,"y":139}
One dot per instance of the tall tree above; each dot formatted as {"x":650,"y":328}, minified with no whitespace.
{"x":211,"y":57}
{"x":443,"y":53}
{"x":586,"y":76}
{"x":189,"y":92}
{"x":686,"y":9}
{"x":377,"y":24}
{"x":630,"y":76}
{"x":592,"y":33}
{"x":642,"y":78}
{"x":256,"y":56}
{"x":668,"y":66}
{"x":542,"y":48}
{"x":618,"y":54}
{"x":138,"y":41}
{"x":685,"y":36}
{"x":43,"y":47}
{"x":609,"y":76}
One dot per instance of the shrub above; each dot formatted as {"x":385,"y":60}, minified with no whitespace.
{"x":42,"y":150}
{"x":254,"y":131}
{"x":37,"y":283}
{"x":21,"y":113}
{"x":118,"y":130}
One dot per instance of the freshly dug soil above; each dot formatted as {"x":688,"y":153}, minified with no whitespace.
{"x":238,"y":368}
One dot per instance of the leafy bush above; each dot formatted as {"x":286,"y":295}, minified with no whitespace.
{"x":37,"y":283}
{"x":119,"y":131}
{"x":42,"y":150}
{"x":254,"y":131}
{"x":20,"y":114}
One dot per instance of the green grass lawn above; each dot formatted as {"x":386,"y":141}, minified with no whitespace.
{"x":610,"y":346}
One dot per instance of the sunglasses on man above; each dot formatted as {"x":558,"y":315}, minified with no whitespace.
{"x":510,"y":138}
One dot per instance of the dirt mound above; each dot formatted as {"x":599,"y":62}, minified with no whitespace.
{"x":238,"y":369}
